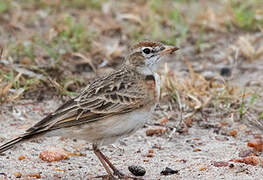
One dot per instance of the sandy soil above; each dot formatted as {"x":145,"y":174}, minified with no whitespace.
{"x":178,"y":152}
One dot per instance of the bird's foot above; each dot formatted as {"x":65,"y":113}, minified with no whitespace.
{"x":118,"y":175}
{"x":125,"y":177}
{"x":106,"y":177}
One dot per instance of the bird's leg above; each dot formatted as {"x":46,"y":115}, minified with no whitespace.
{"x":104,"y":159}
{"x":98,"y":154}
{"x":116,"y":172}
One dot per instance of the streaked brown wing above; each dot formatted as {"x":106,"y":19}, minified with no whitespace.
{"x":105,"y":97}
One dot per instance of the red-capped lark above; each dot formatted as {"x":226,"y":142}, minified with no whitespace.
{"x":110,"y":107}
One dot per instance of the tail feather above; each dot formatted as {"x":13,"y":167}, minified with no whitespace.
{"x":10,"y":144}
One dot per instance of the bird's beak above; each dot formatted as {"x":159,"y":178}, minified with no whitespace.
{"x":168,"y":50}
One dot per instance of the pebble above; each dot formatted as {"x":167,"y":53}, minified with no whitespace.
{"x":168,"y":171}
{"x":34,"y":175}
{"x":231,"y":165}
{"x":137,"y":170}
{"x":256,"y":144}
{"x":53,"y":154}
{"x":225,"y":71}
{"x":157,"y":131}
{"x":220,"y":164}
{"x":20,"y":158}
{"x":18,"y":174}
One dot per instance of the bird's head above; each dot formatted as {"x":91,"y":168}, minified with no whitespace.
{"x":146,"y":55}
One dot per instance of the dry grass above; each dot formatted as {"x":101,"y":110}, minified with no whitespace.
{"x":218,"y":97}
{"x":60,"y":45}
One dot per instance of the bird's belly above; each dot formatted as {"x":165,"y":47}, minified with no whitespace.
{"x":107,"y":131}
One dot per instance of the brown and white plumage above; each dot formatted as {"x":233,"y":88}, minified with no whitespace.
{"x":109,"y":107}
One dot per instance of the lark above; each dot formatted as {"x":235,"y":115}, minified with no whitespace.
{"x":110,"y":107}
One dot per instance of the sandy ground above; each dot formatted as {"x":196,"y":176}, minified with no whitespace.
{"x":176,"y":152}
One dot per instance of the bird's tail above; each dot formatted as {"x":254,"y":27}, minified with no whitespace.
{"x":10,"y":144}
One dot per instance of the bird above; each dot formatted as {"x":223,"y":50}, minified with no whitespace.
{"x":110,"y":107}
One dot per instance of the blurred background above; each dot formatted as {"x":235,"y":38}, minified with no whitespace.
{"x":64,"y":39}
{"x":50,"y":49}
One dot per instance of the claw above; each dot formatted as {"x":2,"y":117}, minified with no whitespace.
{"x":118,"y":173}
{"x":105,"y":177}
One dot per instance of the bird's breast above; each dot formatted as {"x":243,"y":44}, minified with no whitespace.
{"x":153,"y":87}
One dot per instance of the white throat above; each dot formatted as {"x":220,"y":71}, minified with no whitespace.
{"x":157,"y":84}
{"x":147,"y":71}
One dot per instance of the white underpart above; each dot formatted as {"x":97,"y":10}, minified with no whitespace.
{"x":152,"y":65}
{"x":157,"y":84}
{"x":145,"y":70}
{"x":123,"y":126}
{"x":107,"y":131}
{"x":150,"y":69}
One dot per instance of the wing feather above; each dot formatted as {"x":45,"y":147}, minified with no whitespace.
{"x":102,"y":98}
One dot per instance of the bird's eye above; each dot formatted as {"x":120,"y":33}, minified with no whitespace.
{"x":147,"y":51}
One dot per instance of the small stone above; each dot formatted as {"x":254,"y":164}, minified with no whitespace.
{"x":53,"y":154}
{"x":149,"y":155}
{"x":35,"y":175}
{"x":168,"y":171}
{"x":251,"y":160}
{"x":203,"y":168}
{"x":231,"y":165}
{"x":18,"y":174}
{"x":58,"y":169}
{"x":256,"y":144}
{"x":150,"y":151}
{"x":196,"y":150}
{"x":157,"y":131}
{"x":225,"y":71}
{"x":137,"y":170}
{"x":220,"y":164}
{"x":233,"y":133}
{"x":20,"y":158}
